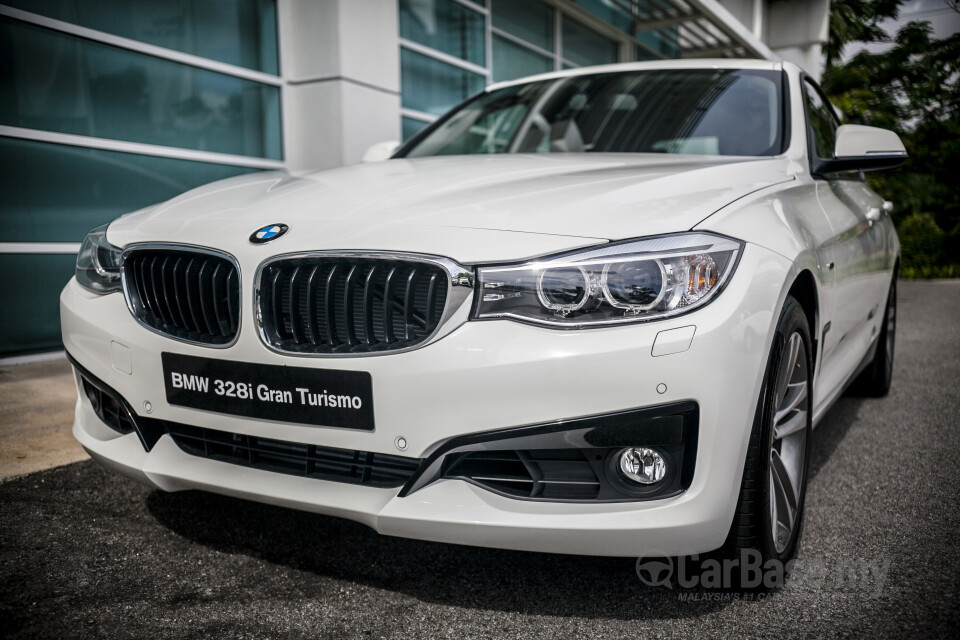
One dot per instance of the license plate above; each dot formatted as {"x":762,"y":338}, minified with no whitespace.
{"x":322,"y":397}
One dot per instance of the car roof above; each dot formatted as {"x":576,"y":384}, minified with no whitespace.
{"x":700,"y":63}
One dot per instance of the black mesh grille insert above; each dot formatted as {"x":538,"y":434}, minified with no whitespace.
{"x":189,"y":295}
{"x":552,"y":474}
{"x":293,"y":458}
{"x":350,"y":305}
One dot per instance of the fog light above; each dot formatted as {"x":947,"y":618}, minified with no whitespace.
{"x":642,"y":465}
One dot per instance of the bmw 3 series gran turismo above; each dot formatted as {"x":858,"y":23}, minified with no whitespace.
{"x":598,"y":311}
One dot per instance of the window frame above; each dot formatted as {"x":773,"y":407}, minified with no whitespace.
{"x":813,"y":155}
{"x":786,"y":112}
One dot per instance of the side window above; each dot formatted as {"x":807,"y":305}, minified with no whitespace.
{"x":821,"y":120}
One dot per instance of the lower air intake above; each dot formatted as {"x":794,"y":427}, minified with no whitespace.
{"x":557,"y":474}
{"x":110,"y":411}
{"x":310,"y":461}
{"x":348,"y":466}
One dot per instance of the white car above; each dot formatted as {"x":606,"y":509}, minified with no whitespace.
{"x":594,"y":312}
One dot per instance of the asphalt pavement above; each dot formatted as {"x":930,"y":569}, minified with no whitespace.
{"x":85,"y":553}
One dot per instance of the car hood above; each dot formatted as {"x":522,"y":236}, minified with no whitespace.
{"x":470,"y":208}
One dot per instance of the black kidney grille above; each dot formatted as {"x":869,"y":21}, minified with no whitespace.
{"x":187,"y":294}
{"x":350,"y":305}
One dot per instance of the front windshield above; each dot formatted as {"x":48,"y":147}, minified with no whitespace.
{"x":727,"y":112}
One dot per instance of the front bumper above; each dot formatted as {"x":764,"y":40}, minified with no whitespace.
{"x":484,"y":376}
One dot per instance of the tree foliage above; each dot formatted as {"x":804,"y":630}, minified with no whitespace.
{"x":857,"y":21}
{"x":913,"y":88}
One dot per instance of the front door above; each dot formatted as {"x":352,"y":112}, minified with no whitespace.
{"x":855,"y":255}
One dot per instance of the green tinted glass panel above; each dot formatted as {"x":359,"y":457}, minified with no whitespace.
{"x":609,"y":11}
{"x":511,"y":60}
{"x":432,"y":86}
{"x":446,"y":26}
{"x":529,"y":20}
{"x":56,"y":193}
{"x":642,"y":54}
{"x":411,"y":127}
{"x":239,"y":32}
{"x":30,"y":290}
{"x":56,"y":82}
{"x":586,"y":47}
{"x":663,"y":41}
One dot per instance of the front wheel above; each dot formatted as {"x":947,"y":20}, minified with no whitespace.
{"x":770,"y":506}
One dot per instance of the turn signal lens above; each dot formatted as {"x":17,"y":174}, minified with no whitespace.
{"x":703,"y":276}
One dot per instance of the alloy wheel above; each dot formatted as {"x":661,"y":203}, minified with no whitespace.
{"x":788,"y":442}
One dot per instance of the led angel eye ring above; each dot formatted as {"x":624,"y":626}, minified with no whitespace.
{"x":555,"y":306}
{"x":605,"y":286}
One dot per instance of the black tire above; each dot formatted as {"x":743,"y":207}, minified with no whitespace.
{"x":874,"y":381}
{"x":753,"y":523}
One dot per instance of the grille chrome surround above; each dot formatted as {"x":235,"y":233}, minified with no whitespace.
{"x":192,"y":294}
{"x":349,"y":304}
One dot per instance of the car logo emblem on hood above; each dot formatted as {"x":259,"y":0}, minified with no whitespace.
{"x":268,"y":233}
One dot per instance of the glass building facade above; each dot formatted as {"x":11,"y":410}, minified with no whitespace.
{"x":450,"y":49}
{"x":108,"y":106}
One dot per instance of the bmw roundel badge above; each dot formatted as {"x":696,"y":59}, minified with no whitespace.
{"x":268,"y":233}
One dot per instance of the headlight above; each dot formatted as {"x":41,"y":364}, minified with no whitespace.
{"x":98,"y":263}
{"x":621,"y":282}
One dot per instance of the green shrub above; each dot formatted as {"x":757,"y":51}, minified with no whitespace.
{"x":935,"y":271}
{"x":921,"y":241}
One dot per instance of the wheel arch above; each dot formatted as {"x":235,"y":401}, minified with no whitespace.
{"x":804,"y":290}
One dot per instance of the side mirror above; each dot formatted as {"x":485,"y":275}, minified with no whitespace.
{"x":381,"y":151}
{"x":861,"y":148}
